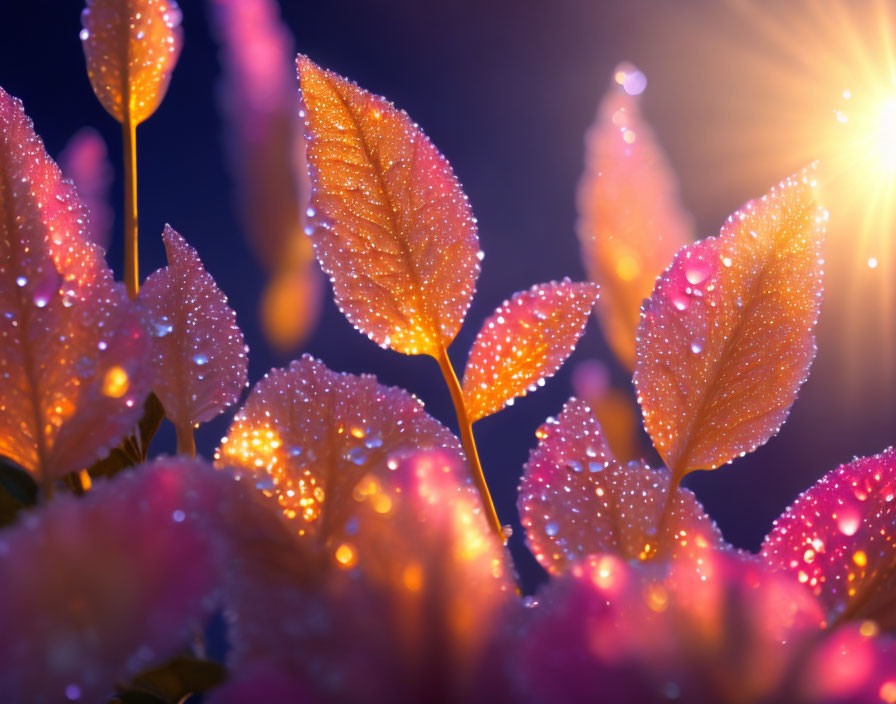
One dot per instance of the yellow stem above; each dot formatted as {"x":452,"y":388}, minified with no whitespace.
{"x":469,"y":443}
{"x":131,"y":259}
{"x":186,"y":444}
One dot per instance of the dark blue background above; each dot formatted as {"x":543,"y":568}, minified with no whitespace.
{"x":506,"y":89}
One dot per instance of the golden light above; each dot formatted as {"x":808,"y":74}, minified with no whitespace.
{"x":886,"y":134}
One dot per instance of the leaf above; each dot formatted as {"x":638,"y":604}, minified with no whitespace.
{"x":131,"y":47}
{"x":613,"y":408}
{"x":727,"y":631}
{"x":177,"y":678}
{"x":523,"y":342}
{"x":630,"y":220}
{"x":308,"y":435}
{"x":838,"y":539}
{"x":85,"y":160}
{"x":265,"y":140}
{"x":134,"y":449}
{"x":576,"y":499}
{"x":396,"y":236}
{"x":200,"y":354}
{"x":727,"y":338}
{"x":99,"y":586}
{"x":74,"y":347}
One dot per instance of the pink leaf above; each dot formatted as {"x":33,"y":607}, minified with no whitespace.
{"x":630,"y":219}
{"x":100,"y":586}
{"x":838,"y":538}
{"x":74,"y":350}
{"x":308,"y":436}
{"x":523,"y":342}
{"x":85,"y":161}
{"x":200,"y":354}
{"x":725,"y":633}
{"x":576,"y":499}
{"x":727,"y":338}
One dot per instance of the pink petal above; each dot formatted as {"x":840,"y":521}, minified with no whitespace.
{"x":838,"y":538}
{"x":525,"y":341}
{"x":72,"y":344}
{"x":612,"y":631}
{"x":200,"y":355}
{"x":576,"y":499}
{"x":98,"y":587}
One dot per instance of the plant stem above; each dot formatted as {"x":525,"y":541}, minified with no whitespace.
{"x":129,"y":148}
{"x":186,"y":444}
{"x":469,"y":443}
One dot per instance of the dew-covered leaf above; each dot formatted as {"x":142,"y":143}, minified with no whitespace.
{"x":131,"y":47}
{"x":396,"y":233}
{"x":630,"y":220}
{"x":97,"y":587}
{"x":309,"y":435}
{"x":614,"y":408}
{"x":73,"y":348}
{"x":405,"y":595}
{"x":85,"y":160}
{"x":265,"y":139}
{"x":726,"y":632}
{"x":576,"y":499}
{"x":200,"y":355}
{"x":839,"y":538}
{"x":727,"y":337}
{"x":525,"y":341}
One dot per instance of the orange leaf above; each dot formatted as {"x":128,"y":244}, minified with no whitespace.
{"x":727,"y":337}
{"x":200,"y":354}
{"x":73,"y":349}
{"x":131,"y":47}
{"x":523,"y":342}
{"x":630,"y":219}
{"x":576,"y":500}
{"x":397,"y":235}
{"x":309,"y":435}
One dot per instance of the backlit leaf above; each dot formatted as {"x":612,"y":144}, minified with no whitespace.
{"x":576,"y":499}
{"x":630,"y":220}
{"x":265,"y":139}
{"x":85,"y":161}
{"x":73,"y":349}
{"x":727,"y":337}
{"x":396,"y":235}
{"x":523,"y":342}
{"x":839,"y":538}
{"x":200,"y":354}
{"x":99,"y":586}
{"x":614,"y":408}
{"x":309,"y":435}
{"x":131,"y":47}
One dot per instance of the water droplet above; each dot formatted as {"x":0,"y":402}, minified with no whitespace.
{"x":200,"y":359}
